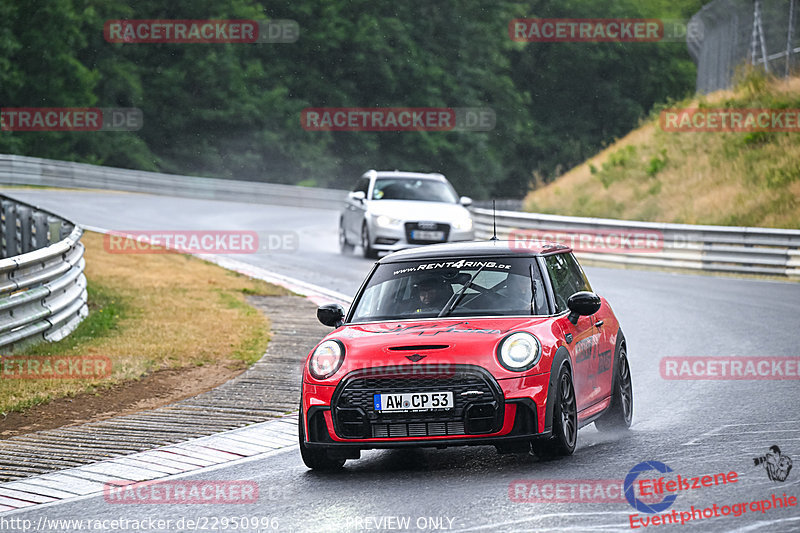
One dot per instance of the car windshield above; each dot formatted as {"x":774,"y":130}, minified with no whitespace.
{"x":423,"y":190}
{"x":422,"y":289}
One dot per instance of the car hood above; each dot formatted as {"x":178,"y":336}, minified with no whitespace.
{"x":447,"y":342}
{"x":411,"y":210}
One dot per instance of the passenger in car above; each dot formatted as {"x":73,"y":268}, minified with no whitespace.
{"x":515,"y":294}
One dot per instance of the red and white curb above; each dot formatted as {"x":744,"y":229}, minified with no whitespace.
{"x":250,"y":443}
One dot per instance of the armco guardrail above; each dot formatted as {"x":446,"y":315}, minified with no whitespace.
{"x":42,"y":285}
{"x":713,"y":248}
{"x":22,"y":170}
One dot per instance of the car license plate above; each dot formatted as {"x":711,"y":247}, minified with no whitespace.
{"x":413,"y":401}
{"x":421,"y":235}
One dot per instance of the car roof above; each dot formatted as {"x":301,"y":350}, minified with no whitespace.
{"x":407,"y":175}
{"x":491,"y":248}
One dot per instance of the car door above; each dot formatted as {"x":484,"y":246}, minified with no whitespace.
{"x":354,"y":210}
{"x":567,"y":278}
{"x":602,"y":361}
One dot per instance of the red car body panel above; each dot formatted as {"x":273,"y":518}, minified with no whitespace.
{"x":534,"y":387}
{"x":474,"y":341}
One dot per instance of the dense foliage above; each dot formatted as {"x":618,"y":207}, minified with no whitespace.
{"x":233,"y":110}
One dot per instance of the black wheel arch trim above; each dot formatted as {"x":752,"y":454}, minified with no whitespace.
{"x":615,"y":365}
{"x":559,"y":360}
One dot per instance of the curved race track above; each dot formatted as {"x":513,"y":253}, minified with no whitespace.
{"x":695,"y":427}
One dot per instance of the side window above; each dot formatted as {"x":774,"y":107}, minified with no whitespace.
{"x":567,"y":278}
{"x":362,"y":185}
{"x":577,"y":272}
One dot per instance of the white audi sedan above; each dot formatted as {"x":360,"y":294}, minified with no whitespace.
{"x":391,"y":210}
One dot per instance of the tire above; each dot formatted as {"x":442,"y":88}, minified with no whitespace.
{"x":344,"y":246}
{"x":315,"y":458}
{"x":369,"y":251}
{"x":620,"y":413}
{"x":565,"y":421}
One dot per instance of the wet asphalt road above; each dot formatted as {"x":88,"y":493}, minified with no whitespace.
{"x":695,"y":427}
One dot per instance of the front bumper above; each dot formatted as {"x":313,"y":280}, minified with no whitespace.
{"x":397,"y":238}
{"x":514,"y":413}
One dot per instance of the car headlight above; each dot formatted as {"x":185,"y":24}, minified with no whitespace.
{"x":463,"y":225}
{"x":326,"y":359}
{"x":385,"y":221}
{"x":519,"y":351}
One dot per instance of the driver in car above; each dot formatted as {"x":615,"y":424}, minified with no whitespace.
{"x":433,"y":294}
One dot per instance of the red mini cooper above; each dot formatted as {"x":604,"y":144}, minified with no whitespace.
{"x":466,"y":344}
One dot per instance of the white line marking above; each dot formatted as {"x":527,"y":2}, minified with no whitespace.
{"x":176,"y":476}
{"x":27,"y":496}
{"x":770,"y":524}
{"x":791,"y":422}
{"x":44,"y":488}
{"x":719,"y":430}
{"x":706,"y":434}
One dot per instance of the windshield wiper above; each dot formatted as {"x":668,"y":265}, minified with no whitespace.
{"x":452,"y":302}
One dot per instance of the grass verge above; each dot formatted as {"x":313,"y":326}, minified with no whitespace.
{"x":150,"y":312}
{"x":719,"y":178}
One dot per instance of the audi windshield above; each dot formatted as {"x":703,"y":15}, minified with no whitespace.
{"x":422,"y":190}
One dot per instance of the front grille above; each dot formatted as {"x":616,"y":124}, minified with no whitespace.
{"x":425,"y":429}
{"x":472,"y":413}
{"x":423,"y":226}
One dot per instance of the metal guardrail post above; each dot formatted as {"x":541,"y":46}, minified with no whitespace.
{"x":54,"y":225}
{"x":40,"y":237}
{"x":25,"y":228}
{"x":9,"y":233}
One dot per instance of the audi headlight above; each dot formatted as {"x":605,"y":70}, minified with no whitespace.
{"x":326,"y":359}
{"x":385,"y":221}
{"x":463,"y":225}
{"x":519,"y":351}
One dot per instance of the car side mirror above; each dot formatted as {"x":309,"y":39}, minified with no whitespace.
{"x":358,"y":196}
{"x":466,"y":201}
{"x":583,"y":303}
{"x":331,"y":315}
